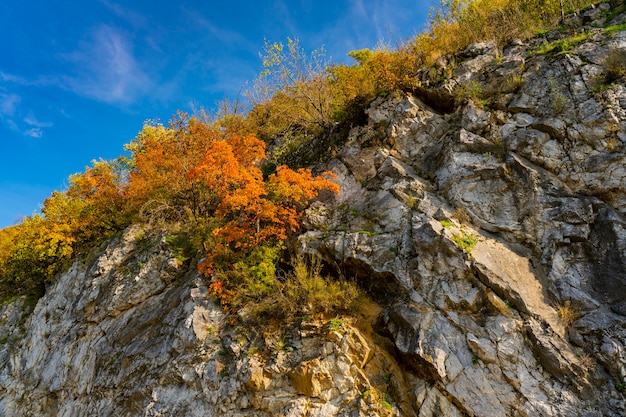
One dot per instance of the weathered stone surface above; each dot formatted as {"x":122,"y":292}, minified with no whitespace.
{"x":527,"y":318}
{"x":86,"y":351}
{"x":493,"y":236}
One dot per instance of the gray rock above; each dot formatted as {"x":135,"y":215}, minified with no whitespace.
{"x":493,"y":238}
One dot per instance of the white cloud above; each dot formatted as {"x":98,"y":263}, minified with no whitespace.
{"x":105,"y":69}
{"x":40,"y":81}
{"x":10,"y":116}
{"x":102,"y":68}
{"x":8,"y":104}
{"x":32,"y":121}
{"x":34,"y":132}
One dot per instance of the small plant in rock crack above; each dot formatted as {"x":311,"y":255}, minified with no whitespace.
{"x":334,"y":324}
{"x":281,"y":345}
{"x":386,"y":404}
{"x":460,"y":215}
{"x":470,"y":90}
{"x":411,"y":202}
{"x":513,"y":84}
{"x":615,"y":28}
{"x":557,"y":98}
{"x":465,"y":241}
{"x":368,"y":232}
{"x":567,"y":314}
{"x":614,"y":66}
{"x":587,"y":363}
{"x":562,"y":46}
{"x":446,"y":223}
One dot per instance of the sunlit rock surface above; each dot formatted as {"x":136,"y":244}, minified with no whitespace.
{"x":491,"y":233}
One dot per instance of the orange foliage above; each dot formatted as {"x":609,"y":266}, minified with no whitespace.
{"x":189,"y":171}
{"x":224,"y":296}
{"x":95,"y":200}
{"x":214,"y":173}
{"x":253,"y":211}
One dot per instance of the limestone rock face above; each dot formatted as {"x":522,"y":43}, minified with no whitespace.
{"x":495,"y":232}
{"x":490,"y":230}
{"x":132,"y":333}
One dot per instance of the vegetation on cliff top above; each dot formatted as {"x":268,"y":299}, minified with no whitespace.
{"x":211,"y":179}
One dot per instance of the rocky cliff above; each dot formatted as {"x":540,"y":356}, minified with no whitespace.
{"x":485,"y":214}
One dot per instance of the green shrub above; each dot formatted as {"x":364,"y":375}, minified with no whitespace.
{"x":562,"y":46}
{"x":614,"y":66}
{"x":446,"y":223}
{"x":615,"y":28}
{"x":257,"y":289}
{"x":318,"y":294}
{"x":334,"y":324}
{"x":465,"y":241}
{"x":470,"y":90}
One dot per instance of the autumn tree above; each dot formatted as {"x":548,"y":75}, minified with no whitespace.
{"x":252,"y":211}
{"x":292,"y":93}
{"x":97,"y":196}
{"x":70,"y":223}
{"x":159,"y":166}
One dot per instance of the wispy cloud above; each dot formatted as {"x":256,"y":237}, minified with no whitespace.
{"x":40,"y":81}
{"x":32,"y":121}
{"x":34,"y":132}
{"x":221,"y":62}
{"x":8,"y":104}
{"x":137,"y":20}
{"x":358,"y":8}
{"x":10,"y":116}
{"x":105,"y":69}
{"x":282,"y":14}
{"x":36,"y":127}
{"x":215,"y":32}
{"x":102,"y":68}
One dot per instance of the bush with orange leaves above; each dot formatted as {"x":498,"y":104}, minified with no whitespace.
{"x":189,"y":175}
{"x":209,"y":181}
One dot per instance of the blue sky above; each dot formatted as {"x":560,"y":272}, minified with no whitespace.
{"x":79,"y":78}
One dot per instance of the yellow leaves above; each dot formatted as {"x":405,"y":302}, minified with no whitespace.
{"x":215,"y":174}
{"x":7,"y":239}
{"x":195,"y":173}
{"x":458,"y":23}
{"x":378,"y":73}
